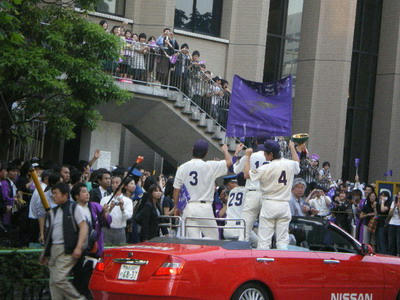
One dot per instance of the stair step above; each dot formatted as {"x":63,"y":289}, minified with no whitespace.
{"x":195,"y":114}
{"x":202,"y":120}
{"x":218,"y":134}
{"x":187,"y":109}
{"x":180,"y":103}
{"x":174,"y":96}
{"x":210,"y":128}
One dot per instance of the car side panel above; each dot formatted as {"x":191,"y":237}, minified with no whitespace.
{"x":291,"y":274}
{"x":391,"y":267}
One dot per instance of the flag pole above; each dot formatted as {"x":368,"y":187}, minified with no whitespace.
{"x":139,"y":160}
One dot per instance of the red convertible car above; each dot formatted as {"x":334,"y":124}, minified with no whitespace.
{"x":324,"y":262}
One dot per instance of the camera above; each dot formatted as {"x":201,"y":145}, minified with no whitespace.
{"x":116,"y":201}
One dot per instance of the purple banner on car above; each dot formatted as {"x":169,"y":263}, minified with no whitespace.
{"x":259,"y":109}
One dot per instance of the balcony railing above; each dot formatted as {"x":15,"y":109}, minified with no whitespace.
{"x":152,"y":65}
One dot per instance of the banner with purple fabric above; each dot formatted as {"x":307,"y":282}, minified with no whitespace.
{"x":183,"y":198}
{"x":260,"y":109}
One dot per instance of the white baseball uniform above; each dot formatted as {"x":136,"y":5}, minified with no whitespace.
{"x":199,"y":176}
{"x":276,"y":180}
{"x":234,"y":211}
{"x":252,"y":203}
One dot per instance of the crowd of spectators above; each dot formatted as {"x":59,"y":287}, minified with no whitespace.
{"x":356,"y":207}
{"x":163,"y":61}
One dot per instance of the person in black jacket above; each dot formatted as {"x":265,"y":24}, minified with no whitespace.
{"x":147,"y":217}
{"x":104,"y":188}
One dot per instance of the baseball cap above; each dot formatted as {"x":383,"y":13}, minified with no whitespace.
{"x":269,"y":146}
{"x":136,"y":172}
{"x":200,"y":145}
{"x":230,"y":178}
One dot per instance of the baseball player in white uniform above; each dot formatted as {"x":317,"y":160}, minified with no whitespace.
{"x":199,"y":176}
{"x":276,"y":180}
{"x":236,"y":199}
{"x":252,"y":203}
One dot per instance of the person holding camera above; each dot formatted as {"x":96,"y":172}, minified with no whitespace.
{"x":121,"y":210}
{"x":381,"y":233}
{"x":319,"y":202}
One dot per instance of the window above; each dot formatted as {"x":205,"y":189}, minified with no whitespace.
{"x":318,"y":236}
{"x":362,"y":88}
{"x":111,"y":7}
{"x":200,"y":16}
{"x":284,"y":26}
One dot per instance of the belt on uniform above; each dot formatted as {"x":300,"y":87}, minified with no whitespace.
{"x":199,"y":201}
{"x":251,"y":190}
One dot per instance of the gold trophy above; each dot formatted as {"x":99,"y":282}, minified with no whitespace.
{"x":300,"y":138}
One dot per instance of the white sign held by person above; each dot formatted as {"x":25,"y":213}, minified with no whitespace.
{"x":104,"y":160}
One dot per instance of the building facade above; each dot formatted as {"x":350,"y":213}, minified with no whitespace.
{"x":344,"y":57}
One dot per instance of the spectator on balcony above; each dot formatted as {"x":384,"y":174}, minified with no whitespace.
{"x":116,"y":30}
{"x":139,"y":52}
{"x":104,"y":24}
{"x":216,"y":97}
{"x":160,"y":40}
{"x":173,"y":41}
{"x":150,"y":58}
{"x":163,"y":60}
{"x":182,"y":63}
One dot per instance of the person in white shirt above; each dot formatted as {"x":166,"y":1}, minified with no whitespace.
{"x":394,"y":227}
{"x":121,"y":209}
{"x":252,"y":203}
{"x":198,"y":178}
{"x":276,"y":181}
{"x":320,"y":202}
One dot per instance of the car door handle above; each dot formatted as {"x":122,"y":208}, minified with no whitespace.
{"x":331,"y":261}
{"x":265,"y":259}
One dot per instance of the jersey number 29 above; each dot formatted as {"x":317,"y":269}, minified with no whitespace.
{"x":238,"y":199}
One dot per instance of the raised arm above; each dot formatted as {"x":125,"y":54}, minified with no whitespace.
{"x":246,"y":169}
{"x":293,"y":151}
{"x":228,"y":157}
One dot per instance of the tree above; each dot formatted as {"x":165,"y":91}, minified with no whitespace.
{"x":51,"y":68}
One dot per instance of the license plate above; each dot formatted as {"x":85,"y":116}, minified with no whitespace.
{"x":128,"y":272}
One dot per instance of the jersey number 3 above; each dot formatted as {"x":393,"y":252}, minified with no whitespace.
{"x":194,"y":180}
{"x":282,"y":178}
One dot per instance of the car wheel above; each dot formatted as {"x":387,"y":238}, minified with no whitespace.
{"x":250,"y":291}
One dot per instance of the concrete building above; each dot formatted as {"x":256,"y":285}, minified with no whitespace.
{"x":344,"y":56}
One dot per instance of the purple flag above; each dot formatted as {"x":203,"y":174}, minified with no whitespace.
{"x":260,"y":109}
{"x":388,"y":173}
{"x":183,"y":198}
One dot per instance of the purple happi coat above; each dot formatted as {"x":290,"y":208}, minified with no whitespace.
{"x":99,"y":221}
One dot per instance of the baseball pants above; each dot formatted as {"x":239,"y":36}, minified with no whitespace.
{"x":275,"y":217}
{"x":250,"y":213}
{"x":203,"y":210}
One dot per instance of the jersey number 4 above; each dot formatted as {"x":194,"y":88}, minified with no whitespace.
{"x":282,"y":178}
{"x":194,"y":180}
{"x":238,"y":198}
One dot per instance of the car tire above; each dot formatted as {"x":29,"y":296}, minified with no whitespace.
{"x":251,"y":291}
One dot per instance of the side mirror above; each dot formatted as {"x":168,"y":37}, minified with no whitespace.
{"x":366,"y":249}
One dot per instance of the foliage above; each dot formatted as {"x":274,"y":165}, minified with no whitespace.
{"x":51,"y":66}
{"x":21,"y":271}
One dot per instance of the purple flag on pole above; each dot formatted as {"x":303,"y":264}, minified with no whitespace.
{"x":260,"y":109}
